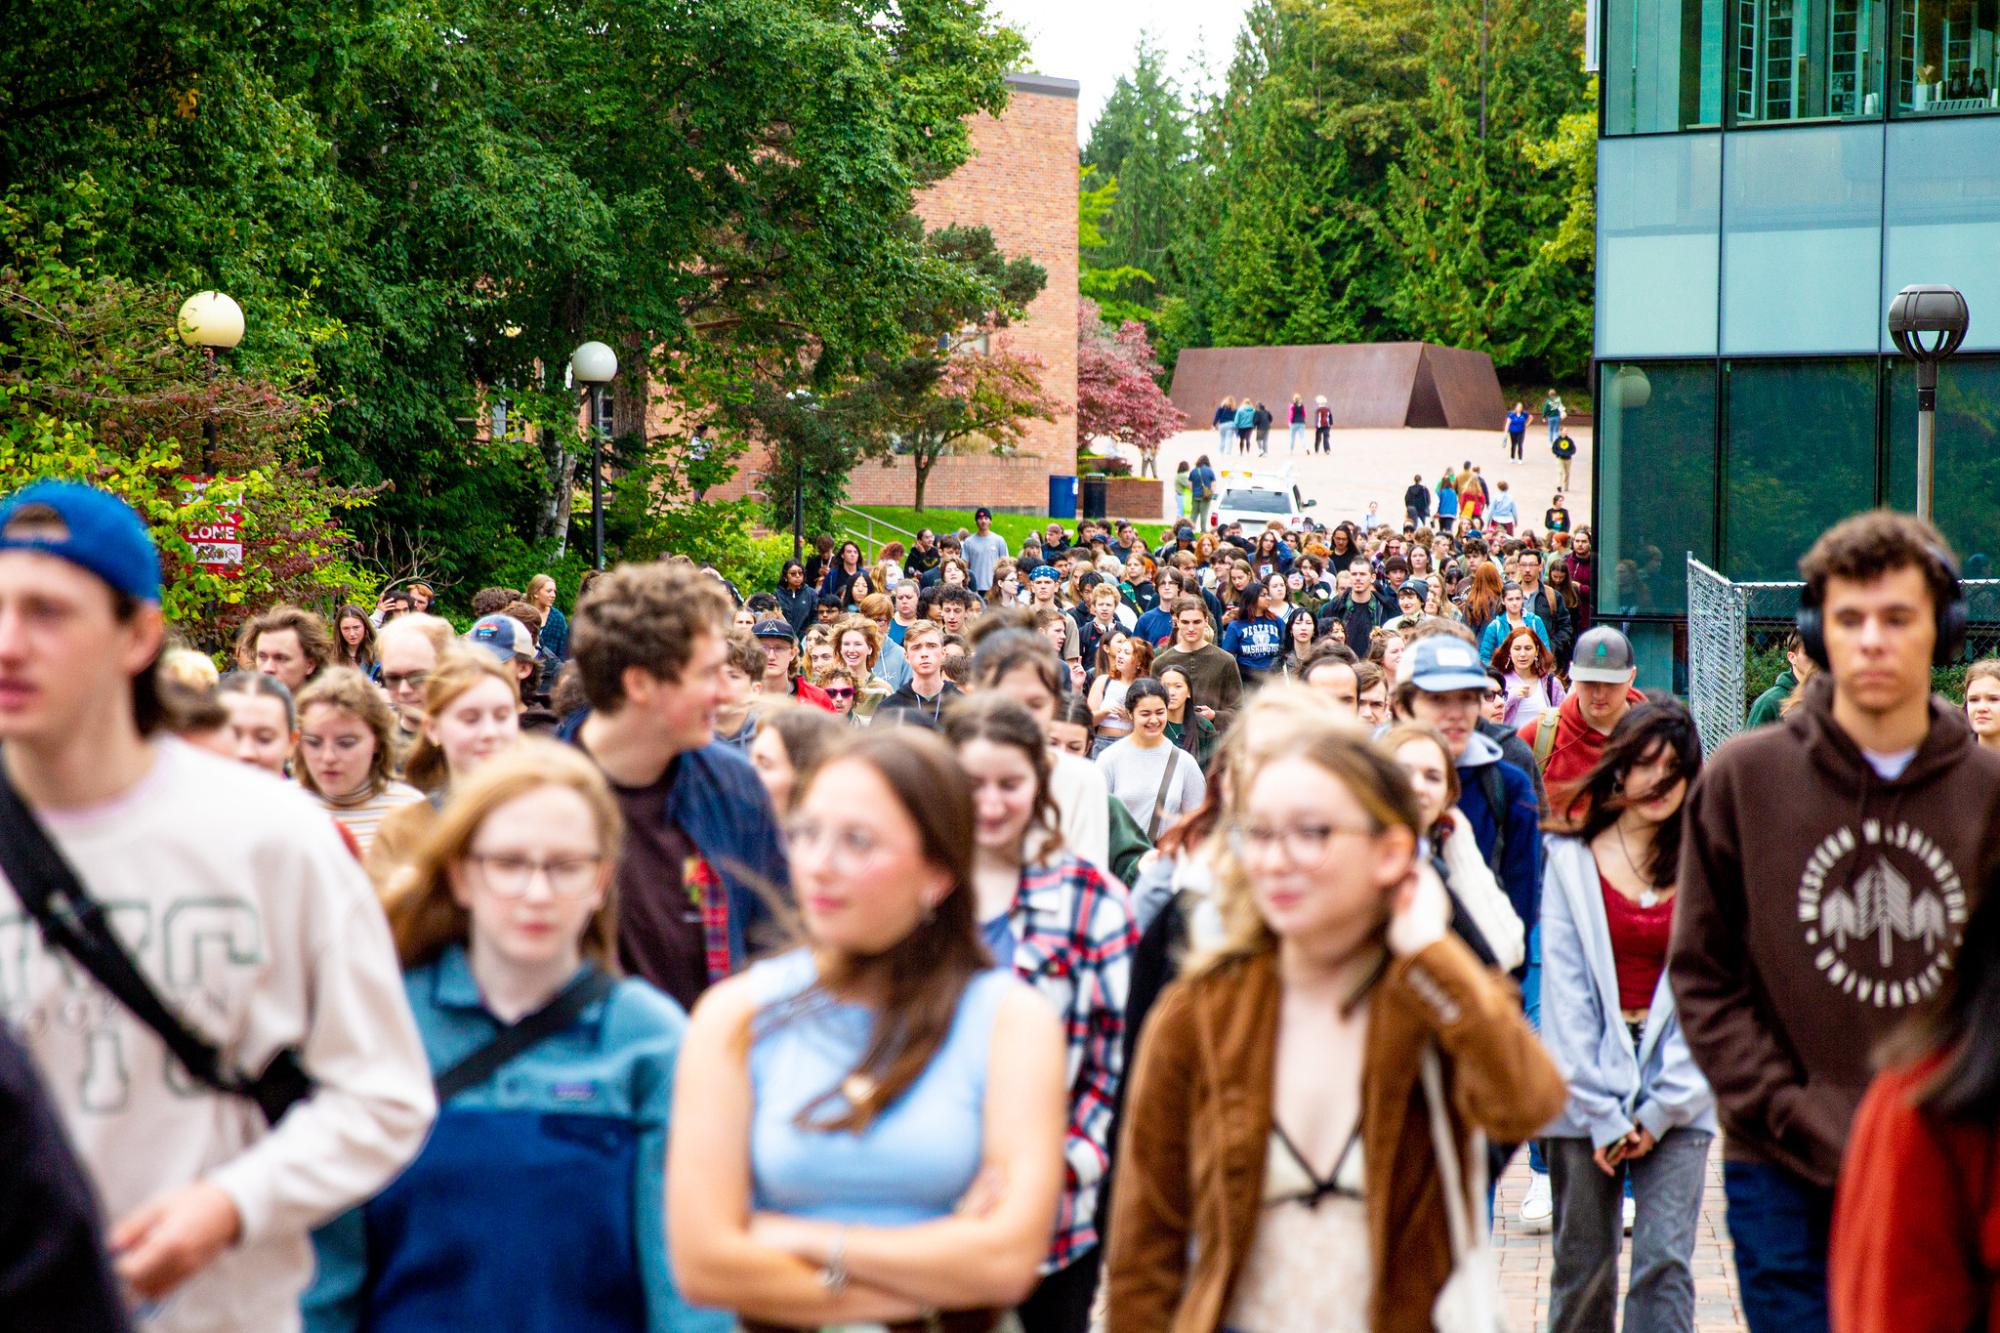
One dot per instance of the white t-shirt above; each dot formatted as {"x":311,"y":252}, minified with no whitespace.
{"x":236,"y":897}
{"x":1134,"y":776}
{"x":1889,"y":766}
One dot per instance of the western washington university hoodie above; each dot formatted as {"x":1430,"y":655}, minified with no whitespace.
{"x":1819,"y":904}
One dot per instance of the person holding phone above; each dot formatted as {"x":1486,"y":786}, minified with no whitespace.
{"x":1638,"y":1106}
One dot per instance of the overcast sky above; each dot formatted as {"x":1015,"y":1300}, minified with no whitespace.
{"x":1092,"y":41}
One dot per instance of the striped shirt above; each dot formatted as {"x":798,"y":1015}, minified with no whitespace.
{"x":361,"y":818}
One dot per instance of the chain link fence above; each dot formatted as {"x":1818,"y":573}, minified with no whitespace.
{"x":1736,"y":644}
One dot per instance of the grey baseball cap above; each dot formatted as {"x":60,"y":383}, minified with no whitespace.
{"x":1441,"y":664}
{"x":1604,"y":655}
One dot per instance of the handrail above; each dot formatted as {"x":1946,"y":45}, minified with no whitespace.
{"x":872,"y":521}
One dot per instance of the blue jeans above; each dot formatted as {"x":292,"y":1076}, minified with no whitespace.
{"x":1778,"y":1224}
{"x":1583,"y":1288}
{"x":1298,"y":429}
{"x":1555,"y":428}
{"x":1531,"y":1001}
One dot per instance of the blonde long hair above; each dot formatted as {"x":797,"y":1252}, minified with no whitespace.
{"x":425,"y":915}
{"x":1344,"y":750}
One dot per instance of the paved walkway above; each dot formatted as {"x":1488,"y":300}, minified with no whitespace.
{"x":1526,"y":1260}
{"x":1378,"y":464}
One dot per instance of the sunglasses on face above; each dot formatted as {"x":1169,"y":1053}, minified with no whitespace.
{"x":840,"y":692}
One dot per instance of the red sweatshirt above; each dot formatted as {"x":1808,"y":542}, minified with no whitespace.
{"x":1578,"y":744}
{"x":1916,"y":1229}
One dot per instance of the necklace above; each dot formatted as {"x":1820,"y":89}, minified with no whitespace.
{"x":1649,"y":897}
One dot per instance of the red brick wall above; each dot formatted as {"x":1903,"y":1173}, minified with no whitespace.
{"x":1020,"y":183}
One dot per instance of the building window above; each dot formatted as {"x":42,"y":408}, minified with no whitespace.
{"x":1941,"y":208}
{"x":1944,"y":57}
{"x":1659,"y":212}
{"x":1655,"y":482}
{"x":1799,"y":440}
{"x":1802,"y":241}
{"x":1662,"y":65}
{"x":1793,"y":60}
{"x":1966,"y":491}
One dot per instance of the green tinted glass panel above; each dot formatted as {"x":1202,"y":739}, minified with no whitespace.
{"x":1943,"y":59}
{"x":1942,"y":216}
{"x":1659,"y":212}
{"x":1655,"y":482}
{"x":1799,"y":443}
{"x":1662,"y":63}
{"x":1965,"y":497}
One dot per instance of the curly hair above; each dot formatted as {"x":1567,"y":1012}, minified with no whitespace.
{"x":349,"y":691}
{"x":645,"y":616}
{"x":314,"y":641}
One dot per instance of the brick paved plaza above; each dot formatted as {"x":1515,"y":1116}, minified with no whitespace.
{"x":1526,"y":1260}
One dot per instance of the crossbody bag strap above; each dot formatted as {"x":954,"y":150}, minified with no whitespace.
{"x":74,"y":922}
{"x":588,"y":987}
{"x":1160,"y":796}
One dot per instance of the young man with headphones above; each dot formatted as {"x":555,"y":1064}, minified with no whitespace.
{"x":1823,"y":891}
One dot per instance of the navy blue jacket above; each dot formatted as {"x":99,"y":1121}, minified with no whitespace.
{"x":1520,"y":868}
{"x":720,"y":803}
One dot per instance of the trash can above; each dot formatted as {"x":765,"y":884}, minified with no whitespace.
{"x":1096,"y":497}
{"x":1062,"y":497}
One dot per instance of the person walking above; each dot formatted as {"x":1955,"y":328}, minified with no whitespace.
{"x":984,"y":549}
{"x":1322,"y":426}
{"x":1275,"y":1172}
{"x":1255,"y":638}
{"x":1517,"y":429}
{"x":1553,"y":413}
{"x":1060,"y":925}
{"x":870,"y":1127}
{"x":239,"y":923}
{"x":1528,"y":675}
{"x":1481,"y":912}
{"x":1797,"y":943}
{"x":1447,"y":502}
{"x":1262,"y":422}
{"x":1768,"y":707}
{"x":1183,"y":493}
{"x":508,"y":931}
{"x":701,"y":848}
{"x":1214,"y":673}
{"x":1982,"y":701}
{"x":1246,"y":424}
{"x":1155,"y":780}
{"x":1639,"y":1110}
{"x":1417,"y":502}
{"x":1201,"y":492}
{"x":1915,"y":1205}
{"x":346,"y":754}
{"x":1225,"y":423}
{"x":1564,"y":448}
{"x":1298,"y":422}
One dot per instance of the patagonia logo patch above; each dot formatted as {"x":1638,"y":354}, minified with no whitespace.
{"x":573,"y":1092}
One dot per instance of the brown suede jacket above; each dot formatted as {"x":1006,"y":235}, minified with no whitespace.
{"x":1191,"y":1160}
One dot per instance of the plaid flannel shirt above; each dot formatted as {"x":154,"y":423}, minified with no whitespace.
{"x":1074,"y":938}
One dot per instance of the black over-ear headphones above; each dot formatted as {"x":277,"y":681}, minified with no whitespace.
{"x":1951,"y":618}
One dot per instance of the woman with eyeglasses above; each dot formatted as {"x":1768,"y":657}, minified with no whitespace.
{"x":857,"y":645}
{"x":1276,"y":1164}
{"x":347,"y":752}
{"x":510,"y":919}
{"x":869,"y":1129}
{"x":1068,"y":931}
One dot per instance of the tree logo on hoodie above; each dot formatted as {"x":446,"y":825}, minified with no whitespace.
{"x":1882,"y":907}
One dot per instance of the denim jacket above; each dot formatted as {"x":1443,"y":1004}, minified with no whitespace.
{"x":1612,"y":1089}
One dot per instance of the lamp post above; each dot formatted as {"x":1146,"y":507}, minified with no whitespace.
{"x":594,"y":365}
{"x":1940,"y":312}
{"x":214,"y":323}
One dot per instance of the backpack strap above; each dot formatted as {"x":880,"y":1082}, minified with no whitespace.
{"x":74,"y":923}
{"x":1545,"y":740}
{"x":589,"y":986}
{"x":1495,"y":791}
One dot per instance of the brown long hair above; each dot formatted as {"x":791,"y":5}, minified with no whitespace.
{"x":1503,"y":656}
{"x":997,"y":718}
{"x":425,"y":917}
{"x":922,"y":976}
{"x":349,"y":691}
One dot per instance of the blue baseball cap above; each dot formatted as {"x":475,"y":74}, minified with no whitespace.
{"x":503,"y":636}
{"x":104,"y":535}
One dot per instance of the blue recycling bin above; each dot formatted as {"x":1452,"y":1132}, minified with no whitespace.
{"x":1062,"y":497}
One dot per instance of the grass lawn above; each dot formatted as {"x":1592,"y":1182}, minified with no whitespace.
{"x":1013,"y":527}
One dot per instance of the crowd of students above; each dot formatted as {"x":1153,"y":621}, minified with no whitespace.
{"x":1176,"y":937}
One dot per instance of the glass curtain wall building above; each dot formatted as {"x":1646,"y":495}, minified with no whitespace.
{"x":1770,"y":173}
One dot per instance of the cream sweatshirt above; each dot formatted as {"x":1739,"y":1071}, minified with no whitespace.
{"x":238,"y":900}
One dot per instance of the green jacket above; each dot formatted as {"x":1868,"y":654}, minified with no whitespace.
{"x":1128,"y":842}
{"x":1765,"y":709}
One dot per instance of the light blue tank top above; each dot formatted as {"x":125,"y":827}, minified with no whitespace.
{"x":917,"y":1158}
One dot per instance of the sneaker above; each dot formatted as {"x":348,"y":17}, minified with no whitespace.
{"x":1629,"y":1212}
{"x":1538,"y":1205}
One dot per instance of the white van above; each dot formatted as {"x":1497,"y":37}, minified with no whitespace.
{"x":1254,"y":499}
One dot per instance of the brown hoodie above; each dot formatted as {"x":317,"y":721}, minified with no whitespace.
{"x":1818,"y":905}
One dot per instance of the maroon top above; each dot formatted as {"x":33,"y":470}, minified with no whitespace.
{"x":1638,"y":944}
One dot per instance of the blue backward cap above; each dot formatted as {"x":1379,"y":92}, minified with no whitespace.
{"x":105,"y":535}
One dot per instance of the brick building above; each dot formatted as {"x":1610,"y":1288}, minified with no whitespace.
{"x":1021,"y":184}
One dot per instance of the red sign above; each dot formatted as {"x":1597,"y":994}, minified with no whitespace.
{"x":218,"y":542}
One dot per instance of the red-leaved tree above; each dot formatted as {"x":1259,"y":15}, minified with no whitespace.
{"x":1118,"y":396}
